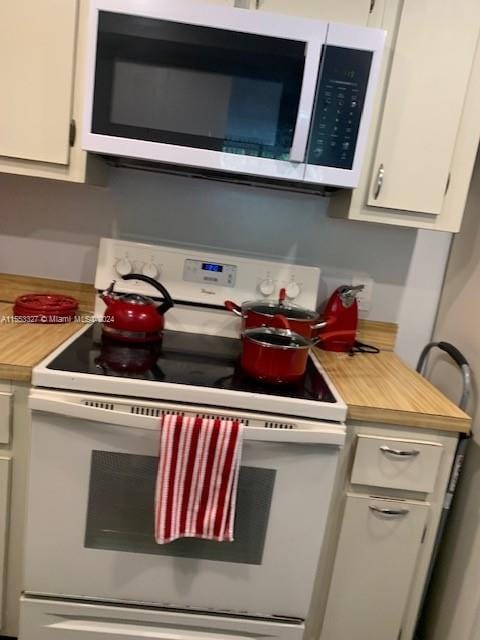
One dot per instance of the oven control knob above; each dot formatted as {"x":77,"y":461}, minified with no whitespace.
{"x":292,"y":290}
{"x":151,"y":270}
{"x":266,"y":287}
{"x":123,"y":267}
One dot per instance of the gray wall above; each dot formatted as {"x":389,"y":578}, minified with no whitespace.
{"x":51,"y":229}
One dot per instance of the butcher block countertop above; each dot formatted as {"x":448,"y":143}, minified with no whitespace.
{"x":382,"y":388}
{"x":23,"y":345}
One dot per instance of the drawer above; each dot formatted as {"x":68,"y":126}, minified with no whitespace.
{"x":411,"y":465}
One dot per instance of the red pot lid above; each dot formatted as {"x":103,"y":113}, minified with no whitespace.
{"x":49,"y":307}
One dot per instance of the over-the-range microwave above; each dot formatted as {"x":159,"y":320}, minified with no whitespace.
{"x":227,"y":89}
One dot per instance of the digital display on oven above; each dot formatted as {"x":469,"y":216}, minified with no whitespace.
{"x":210,"y":266}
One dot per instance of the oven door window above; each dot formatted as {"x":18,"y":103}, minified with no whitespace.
{"x":120,"y":512}
{"x":196,"y":86}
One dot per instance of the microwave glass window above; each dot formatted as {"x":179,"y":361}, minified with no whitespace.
{"x":199,"y":87}
{"x":339,"y":105}
{"x":120,"y":512}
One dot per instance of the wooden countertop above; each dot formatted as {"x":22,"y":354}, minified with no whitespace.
{"x":23,"y":345}
{"x":382,"y":388}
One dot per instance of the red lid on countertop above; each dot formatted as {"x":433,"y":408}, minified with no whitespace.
{"x":47,"y":308}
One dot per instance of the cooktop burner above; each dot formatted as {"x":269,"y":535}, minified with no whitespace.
{"x":182,"y":358}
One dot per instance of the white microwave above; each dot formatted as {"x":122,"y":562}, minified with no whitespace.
{"x":231,"y":90}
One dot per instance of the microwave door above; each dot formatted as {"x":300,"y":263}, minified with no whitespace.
{"x":219,"y":88}
{"x":344,"y":104}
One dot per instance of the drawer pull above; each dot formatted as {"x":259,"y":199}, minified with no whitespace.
{"x":401,"y":453}
{"x":385,"y":511}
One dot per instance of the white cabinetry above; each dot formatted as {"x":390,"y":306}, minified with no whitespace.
{"x":14,"y":445}
{"x":377,"y":551}
{"x":41,"y":70}
{"x":428,"y":82}
{"x":348,"y":11}
{"x":37,"y":47}
{"x":427,"y":125}
{"x":381,"y":535}
{"x":4,"y":519}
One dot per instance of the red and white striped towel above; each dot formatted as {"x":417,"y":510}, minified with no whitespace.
{"x":197,"y":478}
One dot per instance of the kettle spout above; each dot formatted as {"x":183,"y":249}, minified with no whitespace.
{"x":106,"y":295}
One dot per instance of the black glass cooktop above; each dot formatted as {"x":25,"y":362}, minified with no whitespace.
{"x":182,"y":358}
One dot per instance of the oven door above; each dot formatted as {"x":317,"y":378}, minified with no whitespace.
{"x":200,"y":85}
{"x":91,"y":497}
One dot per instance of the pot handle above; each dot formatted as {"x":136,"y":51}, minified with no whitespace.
{"x":167,"y":302}
{"x":330,"y":334}
{"x":279,"y":322}
{"x":324,"y":324}
{"x":234,"y":308}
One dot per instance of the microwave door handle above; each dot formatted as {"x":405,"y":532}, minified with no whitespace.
{"x":298,"y":150}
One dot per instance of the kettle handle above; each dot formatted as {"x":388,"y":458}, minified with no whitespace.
{"x":167,"y":302}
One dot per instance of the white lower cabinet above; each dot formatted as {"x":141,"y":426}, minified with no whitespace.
{"x":376,"y":556}
{"x":5,"y":464}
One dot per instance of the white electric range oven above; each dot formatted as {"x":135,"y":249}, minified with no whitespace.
{"x":93,"y":569}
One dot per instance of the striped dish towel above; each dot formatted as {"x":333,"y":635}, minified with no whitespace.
{"x":197,"y":478}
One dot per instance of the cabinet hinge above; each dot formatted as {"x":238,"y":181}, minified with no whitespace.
{"x":423,"y":535}
{"x":372,"y":6}
{"x":72,"y":133}
{"x":448,"y":182}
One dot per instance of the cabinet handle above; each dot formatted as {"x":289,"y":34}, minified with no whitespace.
{"x":379,"y":184}
{"x":385,"y":511}
{"x":401,"y":453}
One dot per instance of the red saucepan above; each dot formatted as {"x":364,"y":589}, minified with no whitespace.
{"x":260,"y":313}
{"x":275,"y":354}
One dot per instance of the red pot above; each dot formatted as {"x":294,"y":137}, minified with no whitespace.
{"x":274,"y":355}
{"x":260,"y":313}
{"x":278,"y":355}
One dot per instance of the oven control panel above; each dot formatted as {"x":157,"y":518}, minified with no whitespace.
{"x":209,"y":273}
{"x":203,"y":276}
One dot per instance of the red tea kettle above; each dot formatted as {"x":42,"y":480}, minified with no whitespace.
{"x":135,"y":318}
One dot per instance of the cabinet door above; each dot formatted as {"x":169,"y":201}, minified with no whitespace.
{"x":374,"y":565}
{"x":37,"y":42}
{"x":349,"y":11}
{"x":4,"y":513}
{"x":433,"y":58}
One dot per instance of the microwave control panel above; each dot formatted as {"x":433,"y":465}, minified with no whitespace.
{"x":341,"y":93}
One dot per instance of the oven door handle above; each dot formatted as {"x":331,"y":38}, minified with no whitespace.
{"x":120,"y":412}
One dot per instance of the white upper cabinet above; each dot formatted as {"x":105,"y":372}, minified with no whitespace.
{"x":348,"y":11}
{"x":37,"y":46}
{"x":431,"y":67}
{"x":426,"y":123}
